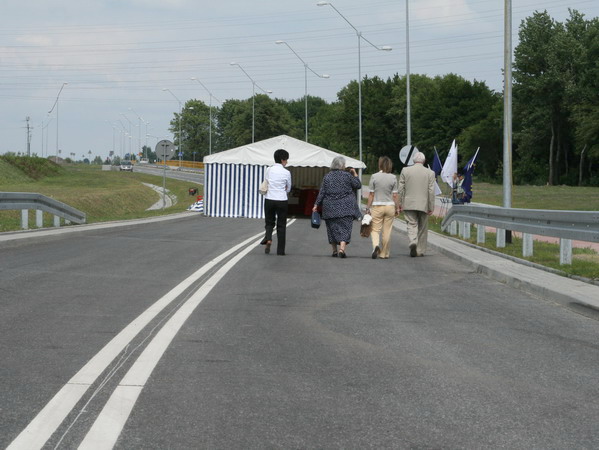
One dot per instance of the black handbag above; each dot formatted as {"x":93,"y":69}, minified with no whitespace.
{"x":315,"y":221}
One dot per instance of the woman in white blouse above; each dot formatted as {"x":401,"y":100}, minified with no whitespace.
{"x":275,"y":203}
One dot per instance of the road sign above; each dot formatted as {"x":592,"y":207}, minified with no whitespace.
{"x":406,"y":154}
{"x":165,"y":149}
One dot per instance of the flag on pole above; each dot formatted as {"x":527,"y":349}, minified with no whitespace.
{"x":467,"y":183}
{"x":451,"y":165}
{"x":437,"y":166}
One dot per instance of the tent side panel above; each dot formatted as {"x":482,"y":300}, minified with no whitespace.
{"x":231,"y":190}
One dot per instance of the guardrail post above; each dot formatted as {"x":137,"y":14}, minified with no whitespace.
{"x":453,"y":228}
{"x":56,"y":221}
{"x":527,"y":246}
{"x":466,"y":230}
{"x":565,"y":251}
{"x":24,"y":219}
{"x":500,"y":238}
{"x":39,"y":218}
{"x":481,"y":236}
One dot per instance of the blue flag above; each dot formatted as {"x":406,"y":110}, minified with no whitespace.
{"x":467,"y":183}
{"x":437,"y":166}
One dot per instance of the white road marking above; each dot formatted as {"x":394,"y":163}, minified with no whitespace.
{"x":109,"y":424}
{"x":41,"y":428}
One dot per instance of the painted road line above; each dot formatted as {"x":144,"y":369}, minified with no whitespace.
{"x":109,"y":424}
{"x":41,"y":428}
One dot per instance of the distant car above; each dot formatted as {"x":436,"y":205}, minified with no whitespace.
{"x":143,"y":161}
{"x":127,"y":166}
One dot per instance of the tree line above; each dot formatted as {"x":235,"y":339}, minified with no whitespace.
{"x":555,"y":113}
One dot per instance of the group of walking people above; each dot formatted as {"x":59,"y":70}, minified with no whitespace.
{"x":413,"y":194}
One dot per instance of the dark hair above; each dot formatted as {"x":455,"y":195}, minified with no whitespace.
{"x":281,"y":155}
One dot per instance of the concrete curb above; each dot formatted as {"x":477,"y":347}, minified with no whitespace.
{"x":539,"y":282}
{"x":12,"y":237}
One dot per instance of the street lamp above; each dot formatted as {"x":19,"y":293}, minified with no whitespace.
{"x":130,"y":135}
{"x":383,"y":48}
{"x":50,"y":112}
{"x":180,"y":117}
{"x":254,"y":85}
{"x":210,"y":125}
{"x":139,"y":131}
{"x":306,"y":67}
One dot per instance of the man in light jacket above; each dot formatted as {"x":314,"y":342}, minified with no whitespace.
{"x":417,"y":201}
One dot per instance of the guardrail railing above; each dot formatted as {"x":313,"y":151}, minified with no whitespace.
{"x":25,"y":201}
{"x":565,"y":225}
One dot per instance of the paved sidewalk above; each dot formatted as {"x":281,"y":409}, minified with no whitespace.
{"x":530,"y":279}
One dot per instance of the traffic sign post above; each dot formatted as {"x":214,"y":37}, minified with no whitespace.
{"x":165,"y":150}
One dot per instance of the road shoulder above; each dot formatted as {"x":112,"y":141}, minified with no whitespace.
{"x":536,"y":281}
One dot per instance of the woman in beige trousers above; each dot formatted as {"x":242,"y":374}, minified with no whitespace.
{"x":383,"y":205}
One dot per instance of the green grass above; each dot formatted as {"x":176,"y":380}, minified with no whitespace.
{"x":102,"y":195}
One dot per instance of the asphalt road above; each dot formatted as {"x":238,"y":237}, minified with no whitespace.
{"x":267,"y":351}
{"x":196,"y":177}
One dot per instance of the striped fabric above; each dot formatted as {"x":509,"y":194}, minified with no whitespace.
{"x":231,"y":190}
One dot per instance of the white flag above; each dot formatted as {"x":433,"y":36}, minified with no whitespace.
{"x":437,"y":189}
{"x":451,"y":165}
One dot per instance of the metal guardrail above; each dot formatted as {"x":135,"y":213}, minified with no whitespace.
{"x":565,"y":225}
{"x":577,"y":225}
{"x":28,"y":200}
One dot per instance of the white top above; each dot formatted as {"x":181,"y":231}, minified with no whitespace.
{"x":279,"y":182}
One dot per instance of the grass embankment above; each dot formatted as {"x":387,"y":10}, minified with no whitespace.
{"x":102,"y":195}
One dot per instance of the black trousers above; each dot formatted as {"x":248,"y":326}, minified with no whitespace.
{"x":276,"y":211}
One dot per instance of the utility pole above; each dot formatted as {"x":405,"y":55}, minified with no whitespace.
{"x":28,"y":136}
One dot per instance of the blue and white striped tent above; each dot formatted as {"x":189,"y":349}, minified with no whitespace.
{"x":232,"y":177}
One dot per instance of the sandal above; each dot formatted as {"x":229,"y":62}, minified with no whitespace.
{"x":334,"y":255}
{"x":342,"y":254}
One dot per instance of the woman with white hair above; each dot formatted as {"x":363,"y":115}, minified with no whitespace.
{"x":337,"y":197}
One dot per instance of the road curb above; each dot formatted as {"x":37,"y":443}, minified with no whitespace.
{"x":12,"y":237}
{"x":533,"y":280}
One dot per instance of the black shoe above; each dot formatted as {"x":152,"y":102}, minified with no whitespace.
{"x":342,"y":254}
{"x":413,"y":252}
{"x":267,"y":248}
{"x":281,"y":254}
{"x":375,"y":252}
{"x":334,"y":255}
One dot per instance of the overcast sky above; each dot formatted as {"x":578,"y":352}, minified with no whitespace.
{"x":117,"y":56}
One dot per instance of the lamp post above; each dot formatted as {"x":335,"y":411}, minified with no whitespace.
{"x":408,"y":106}
{"x":50,"y":112}
{"x":139,"y":131}
{"x":210,"y":108}
{"x":306,"y":68}
{"x":130,"y":135}
{"x":254,"y":85}
{"x":180,"y":117}
{"x":383,"y":48}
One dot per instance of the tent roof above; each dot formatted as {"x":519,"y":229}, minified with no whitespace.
{"x":301,"y":154}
